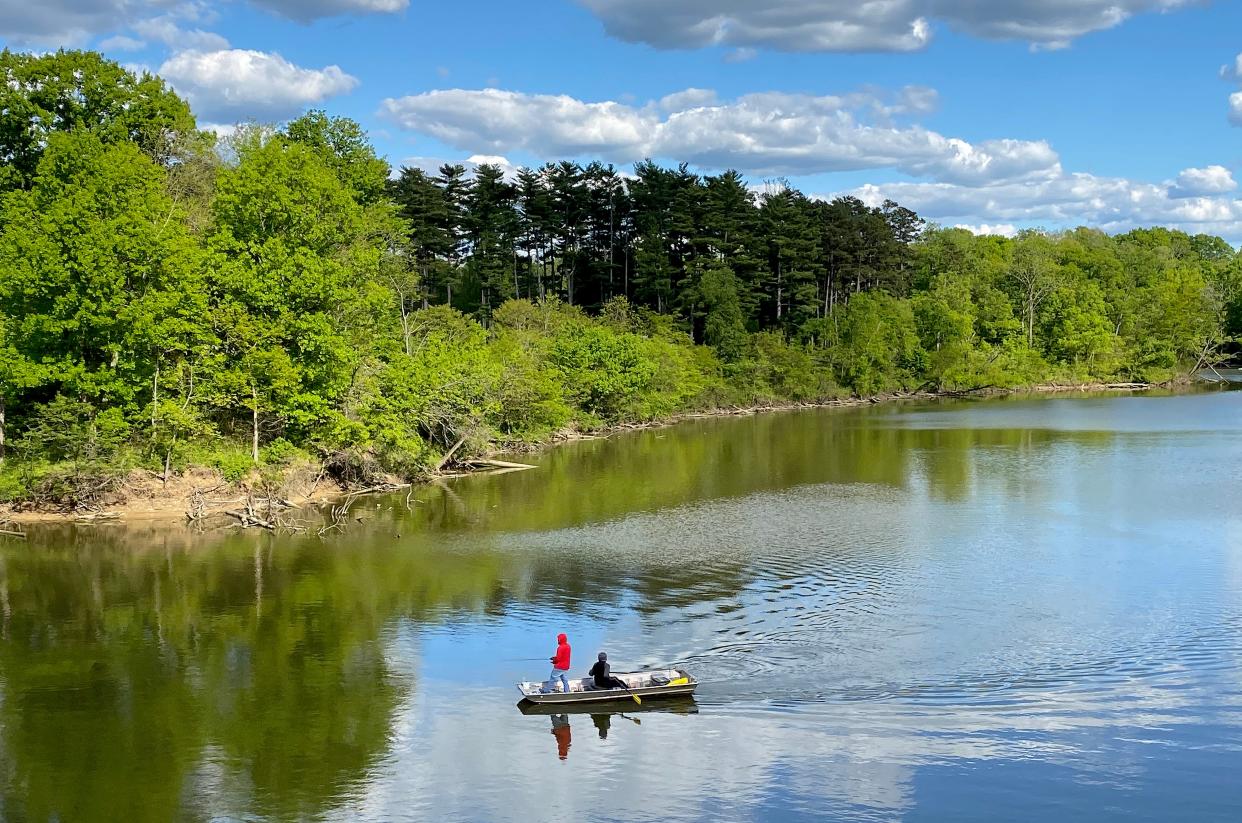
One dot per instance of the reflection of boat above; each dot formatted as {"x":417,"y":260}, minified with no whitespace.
{"x":647,"y":685}
{"x":683,"y":704}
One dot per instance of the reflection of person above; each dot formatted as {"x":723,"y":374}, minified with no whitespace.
{"x":603,"y":722}
{"x":602,"y":673}
{"x":563,"y":735}
{"x":560,"y":665}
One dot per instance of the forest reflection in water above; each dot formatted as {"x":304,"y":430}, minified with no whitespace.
{"x":1042,"y":596}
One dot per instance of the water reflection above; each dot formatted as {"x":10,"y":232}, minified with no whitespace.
{"x":563,"y":734}
{"x":1041,"y":595}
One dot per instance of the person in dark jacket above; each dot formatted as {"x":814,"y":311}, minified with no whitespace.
{"x":602,"y":673}
{"x":560,"y":665}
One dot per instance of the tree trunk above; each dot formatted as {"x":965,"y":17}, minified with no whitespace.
{"x":254,"y":441}
{"x":405,"y":325}
{"x":780,"y":289}
{"x":1030,"y":320}
{"x":155,"y":397}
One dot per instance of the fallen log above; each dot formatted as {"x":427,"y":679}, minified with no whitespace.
{"x":496,"y":464}
{"x":7,"y":533}
{"x":248,"y":521}
{"x":444,"y":461}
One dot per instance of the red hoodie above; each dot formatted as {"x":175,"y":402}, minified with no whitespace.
{"x":561,"y":661}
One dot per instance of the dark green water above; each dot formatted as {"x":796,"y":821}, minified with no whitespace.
{"x":1020,"y":610}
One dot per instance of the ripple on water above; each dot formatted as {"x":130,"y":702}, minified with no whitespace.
{"x":845,"y":593}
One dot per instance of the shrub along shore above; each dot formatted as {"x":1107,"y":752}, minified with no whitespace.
{"x":282,"y":312}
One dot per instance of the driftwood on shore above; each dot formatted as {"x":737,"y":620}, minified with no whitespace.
{"x":488,"y":463}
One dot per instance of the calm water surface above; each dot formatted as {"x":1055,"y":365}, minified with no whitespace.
{"x":1016,"y":609}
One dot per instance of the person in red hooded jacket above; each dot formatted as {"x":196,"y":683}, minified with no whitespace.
{"x":560,"y":664}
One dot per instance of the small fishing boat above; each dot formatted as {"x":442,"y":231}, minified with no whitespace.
{"x":646,"y":685}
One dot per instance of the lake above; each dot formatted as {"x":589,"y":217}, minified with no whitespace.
{"x":1019,"y":608}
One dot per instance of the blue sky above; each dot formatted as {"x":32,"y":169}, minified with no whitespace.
{"x":995,"y":115}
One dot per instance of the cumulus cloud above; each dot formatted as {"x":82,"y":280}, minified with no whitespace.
{"x":1108,"y":203}
{"x":857,"y":25}
{"x":1210,"y":180}
{"x":1234,"y":72}
{"x":431,"y":165}
{"x":999,"y":229}
{"x":60,"y":22}
{"x":122,"y":43}
{"x":51,"y":23}
{"x":165,"y":29}
{"x":306,"y":10}
{"x":761,"y":134}
{"x":238,"y":84}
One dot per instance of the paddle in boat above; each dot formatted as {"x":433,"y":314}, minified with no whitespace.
{"x":639,"y":686}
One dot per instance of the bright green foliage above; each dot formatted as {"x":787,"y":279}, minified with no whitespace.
{"x":284,"y":301}
{"x":443,"y":391}
{"x":876,"y":345}
{"x":41,"y":95}
{"x":101,"y":280}
{"x":292,"y":260}
{"x":604,"y":369}
{"x":724,"y":326}
{"x":776,"y":371}
{"x":944,"y":317}
{"x":1078,"y":330}
{"x":343,"y":145}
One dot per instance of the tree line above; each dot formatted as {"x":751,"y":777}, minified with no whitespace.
{"x":283,"y":297}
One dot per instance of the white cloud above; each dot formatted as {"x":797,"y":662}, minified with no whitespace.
{"x":431,"y":165}
{"x":220,"y":130}
{"x":1234,"y":72}
{"x":741,"y":55}
{"x":164,"y":29}
{"x":122,"y":43}
{"x":858,"y":25}
{"x":476,"y":160}
{"x":1107,"y":203}
{"x":72,"y":23}
{"x":497,"y":121}
{"x":1210,"y":180}
{"x":688,"y":99}
{"x":59,"y":22}
{"x":307,"y":10}
{"x":237,"y":84}
{"x":999,"y":229}
{"x":761,"y":134}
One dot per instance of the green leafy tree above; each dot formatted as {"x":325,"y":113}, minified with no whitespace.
{"x":724,"y":326}
{"x":45,"y":94}
{"x":877,"y":346}
{"x":295,"y":255}
{"x":103,"y":282}
{"x":344,"y":146}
